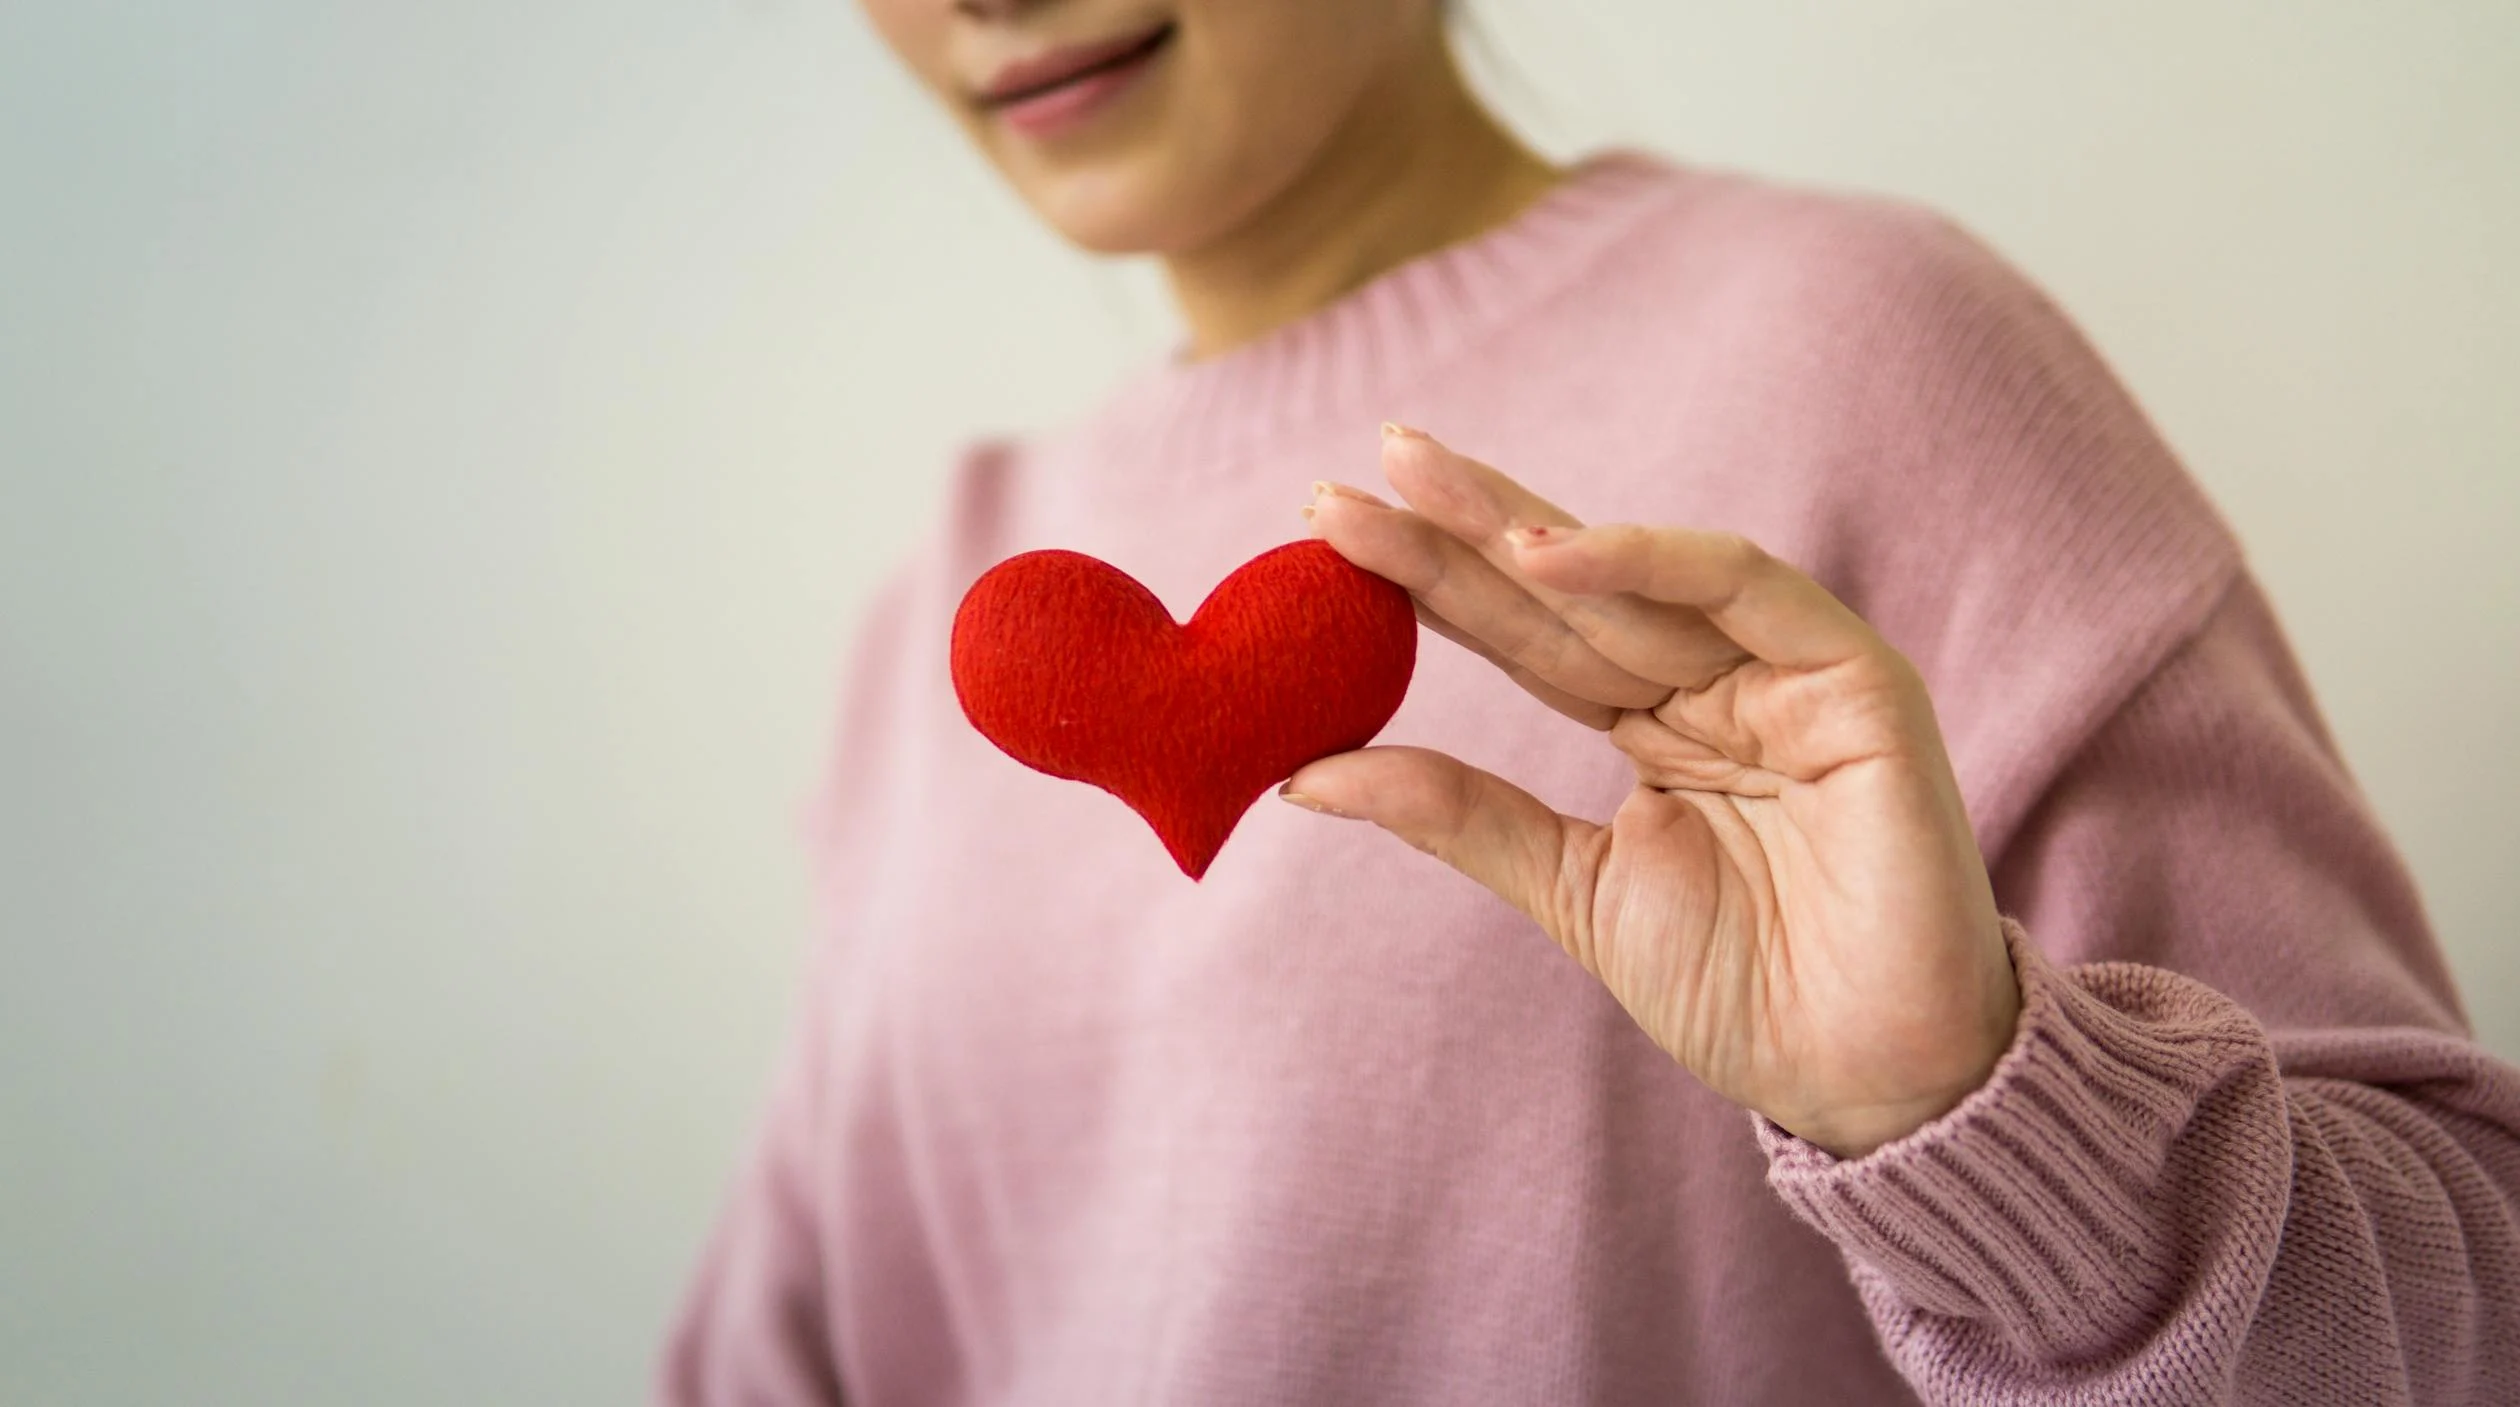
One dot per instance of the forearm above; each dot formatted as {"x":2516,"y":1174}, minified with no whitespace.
{"x":2144,"y":1204}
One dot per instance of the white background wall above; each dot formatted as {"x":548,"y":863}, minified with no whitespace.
{"x":444,"y":445}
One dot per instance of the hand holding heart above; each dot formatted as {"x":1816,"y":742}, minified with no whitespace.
{"x":1791,"y":901}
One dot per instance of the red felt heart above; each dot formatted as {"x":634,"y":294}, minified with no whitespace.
{"x":1074,"y":669}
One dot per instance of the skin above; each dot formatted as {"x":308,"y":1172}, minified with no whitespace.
{"x":1790,"y":902}
{"x":1279,"y":155}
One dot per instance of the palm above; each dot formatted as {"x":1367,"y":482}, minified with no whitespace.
{"x":1789,"y":902}
{"x":1726,"y":923}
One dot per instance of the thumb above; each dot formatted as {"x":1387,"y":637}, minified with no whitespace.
{"x":1475,"y":821}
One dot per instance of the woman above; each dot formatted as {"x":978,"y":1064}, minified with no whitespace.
{"x":1990,"y":855}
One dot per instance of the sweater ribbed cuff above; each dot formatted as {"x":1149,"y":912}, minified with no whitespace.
{"x":2035,"y":1204}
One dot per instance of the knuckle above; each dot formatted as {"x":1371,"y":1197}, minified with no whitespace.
{"x":1738,"y":553}
{"x":1428,"y":567}
{"x":1885,"y":671}
{"x":1462,"y":798}
{"x":1626,"y":538}
{"x":1528,"y":641}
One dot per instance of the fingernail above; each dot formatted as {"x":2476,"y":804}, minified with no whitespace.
{"x":1394,"y":430}
{"x":1292,"y":797}
{"x":1323,"y":488}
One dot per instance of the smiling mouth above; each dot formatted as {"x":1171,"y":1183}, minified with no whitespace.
{"x":1028,"y":83}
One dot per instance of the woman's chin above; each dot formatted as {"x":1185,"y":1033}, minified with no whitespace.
{"x":1123,"y":206}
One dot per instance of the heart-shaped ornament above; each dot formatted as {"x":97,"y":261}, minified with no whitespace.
{"x":1073,"y":668}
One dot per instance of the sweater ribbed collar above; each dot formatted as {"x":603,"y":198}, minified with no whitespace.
{"x":1348,"y":359}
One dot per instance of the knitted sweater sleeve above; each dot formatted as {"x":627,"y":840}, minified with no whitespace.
{"x":757,"y":1322}
{"x":754,"y":1322}
{"x":2241,"y":1148}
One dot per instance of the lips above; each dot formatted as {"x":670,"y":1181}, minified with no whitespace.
{"x":1059,"y":89}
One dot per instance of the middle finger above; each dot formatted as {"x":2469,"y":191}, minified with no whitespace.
{"x":1669,"y":644}
{"x":1477,"y":602}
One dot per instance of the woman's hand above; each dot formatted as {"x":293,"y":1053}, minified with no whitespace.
{"x":1791,"y":901}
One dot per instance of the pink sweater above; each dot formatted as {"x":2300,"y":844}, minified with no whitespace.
{"x":1336,"y":1125}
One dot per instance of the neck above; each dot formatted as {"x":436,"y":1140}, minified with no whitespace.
{"x":1422,"y":167}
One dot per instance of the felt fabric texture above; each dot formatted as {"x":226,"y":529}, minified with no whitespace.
{"x":1073,"y":668}
{"x":1337,"y":1125}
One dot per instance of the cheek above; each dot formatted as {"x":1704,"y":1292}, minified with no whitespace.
{"x":1258,"y":91}
{"x":1268,"y":86}
{"x":1289,"y":66}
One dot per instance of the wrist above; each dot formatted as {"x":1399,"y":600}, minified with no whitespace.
{"x":1851,"y":1129}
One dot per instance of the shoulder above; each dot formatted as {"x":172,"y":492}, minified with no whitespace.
{"x":1838,"y":365}
{"x":1801,"y":332}
{"x":1850,"y":284}
{"x":893,"y":670}
{"x":901,"y":618}
{"x":1720,"y":220}
{"x":1874,"y":392}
